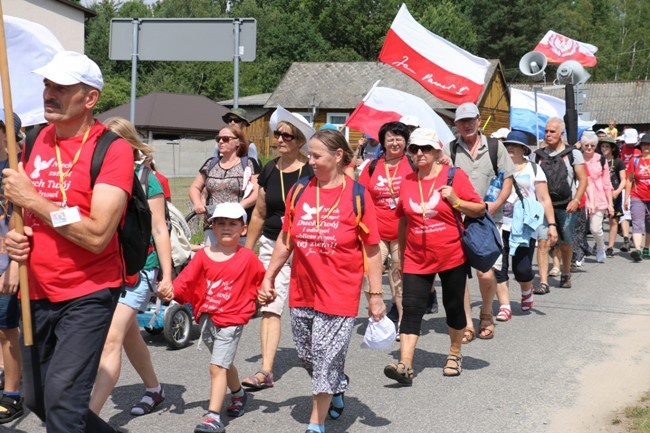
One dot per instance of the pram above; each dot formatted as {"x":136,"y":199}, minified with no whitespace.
{"x":171,"y":319}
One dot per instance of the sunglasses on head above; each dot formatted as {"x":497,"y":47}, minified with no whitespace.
{"x":235,"y":119}
{"x":285,"y":136}
{"x":225,"y":138}
{"x":413,"y":148}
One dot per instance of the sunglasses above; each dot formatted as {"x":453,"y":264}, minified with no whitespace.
{"x":588,"y":146}
{"x":225,"y":138}
{"x":413,"y":148}
{"x":285,"y":136}
{"x":234,"y":119}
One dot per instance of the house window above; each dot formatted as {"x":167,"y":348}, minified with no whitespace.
{"x":339,"y":120}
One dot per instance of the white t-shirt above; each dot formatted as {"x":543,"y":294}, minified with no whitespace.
{"x":525,"y":179}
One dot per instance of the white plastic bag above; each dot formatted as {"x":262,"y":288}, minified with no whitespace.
{"x":379,"y":335}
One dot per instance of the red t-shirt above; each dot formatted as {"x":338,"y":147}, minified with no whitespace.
{"x":60,"y":270}
{"x":165,"y":185}
{"x":379,"y":186}
{"x":628,"y":152}
{"x":225,"y":290}
{"x":641,"y":185}
{"x":327,"y":269}
{"x":432,"y":243}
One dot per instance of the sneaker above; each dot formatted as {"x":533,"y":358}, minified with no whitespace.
{"x":600,"y":256}
{"x":10,"y":408}
{"x":646,"y":253}
{"x":580,"y":262}
{"x":432,"y":304}
{"x":210,"y":425}
{"x":636,"y":255}
{"x":609,"y":252}
{"x":565,"y":281}
{"x":237,"y":405}
{"x":148,"y":402}
{"x":626,"y":245}
{"x":393,"y":314}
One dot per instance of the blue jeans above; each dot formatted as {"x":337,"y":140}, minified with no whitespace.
{"x":59,"y":370}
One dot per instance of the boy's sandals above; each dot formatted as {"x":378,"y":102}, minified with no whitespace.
{"x":486,"y":332}
{"x":255,"y":383}
{"x":454,"y":366}
{"x":10,"y":408}
{"x":504,"y":314}
{"x":400,"y":373}
{"x":469,"y":335}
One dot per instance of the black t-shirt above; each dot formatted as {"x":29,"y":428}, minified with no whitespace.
{"x":615,"y":169}
{"x":269,"y":179}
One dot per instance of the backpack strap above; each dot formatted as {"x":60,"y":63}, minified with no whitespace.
{"x":373,"y":165}
{"x":30,"y":139}
{"x":493,"y":151}
{"x":358,"y":197}
{"x":103,"y":143}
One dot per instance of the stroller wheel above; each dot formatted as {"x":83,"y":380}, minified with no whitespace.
{"x":178,"y":324}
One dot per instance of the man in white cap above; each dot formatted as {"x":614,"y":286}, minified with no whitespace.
{"x":70,"y":244}
{"x":479,"y":156}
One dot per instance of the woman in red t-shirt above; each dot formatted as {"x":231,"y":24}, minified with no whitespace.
{"x":637,"y":198}
{"x":328,"y":244}
{"x":382,"y":179}
{"x":430,"y":244}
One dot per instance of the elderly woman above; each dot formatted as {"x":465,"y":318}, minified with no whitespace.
{"x":429,"y":242}
{"x":275,"y":180}
{"x":321,"y":228}
{"x":382,"y":179}
{"x":229,"y":178}
{"x":600,"y":200}
{"x":530,"y":180}
{"x":637,"y":193}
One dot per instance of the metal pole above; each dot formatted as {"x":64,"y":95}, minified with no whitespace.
{"x":535,"y":89}
{"x":235,"y":98}
{"x":134,"y":66}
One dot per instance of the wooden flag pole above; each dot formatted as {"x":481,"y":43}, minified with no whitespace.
{"x":17,"y":215}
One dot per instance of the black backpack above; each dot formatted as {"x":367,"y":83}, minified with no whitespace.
{"x":493,"y":149}
{"x":556,"y":174}
{"x":135,"y":233}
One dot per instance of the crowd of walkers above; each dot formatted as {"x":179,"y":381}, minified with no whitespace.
{"x":300,"y":231}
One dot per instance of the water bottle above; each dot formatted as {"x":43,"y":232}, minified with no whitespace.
{"x":495,"y":188}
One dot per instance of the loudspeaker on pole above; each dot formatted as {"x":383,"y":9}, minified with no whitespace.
{"x":532,"y":64}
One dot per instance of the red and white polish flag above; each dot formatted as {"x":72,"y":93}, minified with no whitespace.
{"x":558,"y":48}
{"x":447,"y":71}
{"x":383,"y":104}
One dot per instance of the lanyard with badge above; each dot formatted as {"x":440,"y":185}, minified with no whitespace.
{"x":66,"y":215}
{"x":389,"y":180}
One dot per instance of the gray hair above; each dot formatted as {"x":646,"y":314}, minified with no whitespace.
{"x":558,"y":122}
{"x":588,"y":138}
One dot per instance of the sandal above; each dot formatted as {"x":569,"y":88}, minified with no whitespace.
{"x":486,"y":332}
{"x":454,"y":366}
{"x":468,"y":336}
{"x":336,"y":412}
{"x":542,"y":289}
{"x":504,"y":314}
{"x":148,"y":402}
{"x":555,"y":272}
{"x":400,"y":373}
{"x":527,"y":302}
{"x":10,"y":408}
{"x":256,"y":384}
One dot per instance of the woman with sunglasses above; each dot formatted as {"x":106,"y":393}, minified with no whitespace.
{"x":382,"y":178}
{"x":429,"y":242}
{"x":225,"y":178}
{"x":329,"y":245}
{"x":275,"y":180}
{"x":600,"y":201}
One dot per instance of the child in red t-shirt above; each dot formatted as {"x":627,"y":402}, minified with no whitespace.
{"x":221,"y":283}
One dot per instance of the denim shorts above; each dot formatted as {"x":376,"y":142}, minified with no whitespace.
{"x":9,"y":311}
{"x":566,"y":223}
{"x":138,"y":296}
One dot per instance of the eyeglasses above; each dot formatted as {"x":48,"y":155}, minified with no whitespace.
{"x":285,"y":136}
{"x":588,"y":146}
{"x":225,"y":138}
{"x":398,"y":140}
{"x":413,"y":148}
{"x":235,"y":119}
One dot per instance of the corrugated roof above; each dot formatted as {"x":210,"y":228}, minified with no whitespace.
{"x":626,"y":101}
{"x":342,"y":85}
{"x":172,"y":112}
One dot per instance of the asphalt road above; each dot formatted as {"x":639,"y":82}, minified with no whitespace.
{"x":581,"y":353}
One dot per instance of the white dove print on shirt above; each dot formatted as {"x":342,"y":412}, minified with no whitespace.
{"x":309,"y":212}
{"x":39,"y":165}
{"x":381,"y":181}
{"x":428,"y":207}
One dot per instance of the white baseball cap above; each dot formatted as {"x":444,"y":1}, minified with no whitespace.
{"x":425,"y":137}
{"x":69,"y":67}
{"x":630,"y":136}
{"x":468,"y":110}
{"x":379,"y":335}
{"x":229,"y":210}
